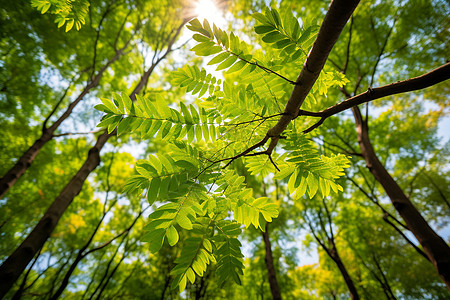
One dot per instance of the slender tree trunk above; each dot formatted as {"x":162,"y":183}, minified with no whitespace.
{"x":166,"y":285}
{"x":385,"y":283}
{"x":274,"y":287}
{"x":434,"y":246}
{"x":387,"y":215}
{"x":168,"y":278}
{"x":108,"y":265}
{"x":200,"y":289}
{"x":337,"y":16}
{"x":55,"y":278}
{"x":66,"y":278}
{"x":333,"y":253}
{"x":418,"y":250}
{"x":119,"y":291}
{"x":93,"y":275}
{"x":27,"y":158}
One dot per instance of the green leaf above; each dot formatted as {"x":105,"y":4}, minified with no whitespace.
{"x":190,"y":275}
{"x":236,"y":67}
{"x":172,"y":235}
{"x":184,"y":222}
{"x":108,"y":119}
{"x":276,"y":16}
{"x":201,"y":48}
{"x":153,"y":129}
{"x":261,"y":18}
{"x":200,"y":38}
{"x":152,"y":193}
{"x":195,"y":116}
{"x":69,"y":24}
{"x":124,"y":125}
{"x":205,"y":132}
{"x":207,"y":27}
{"x":108,"y":103}
{"x":154,"y":161}
{"x":305,"y":35}
{"x":219,"y":58}
{"x":273,"y":37}
{"x":264,"y":29}
{"x":227,"y":63}
{"x":155,"y":239}
{"x":127,"y":103}
{"x":282,"y":43}
{"x":45,"y":7}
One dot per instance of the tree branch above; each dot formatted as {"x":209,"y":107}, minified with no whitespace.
{"x":337,"y":16}
{"x":63,"y":96}
{"x":76,"y":133}
{"x":418,"y":250}
{"x":426,"y":80}
{"x":347,"y":58}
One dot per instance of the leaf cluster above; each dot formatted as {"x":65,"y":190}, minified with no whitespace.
{"x":69,"y":12}
{"x":150,"y":117}
{"x":308,"y":172}
{"x":285,"y":33}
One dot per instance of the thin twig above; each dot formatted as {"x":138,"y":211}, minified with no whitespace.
{"x":76,"y":133}
{"x":264,"y":68}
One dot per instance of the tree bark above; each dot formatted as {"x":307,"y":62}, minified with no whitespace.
{"x":333,"y":253}
{"x":16,"y":263}
{"x":434,"y":246}
{"x":18,"y":294}
{"x":274,"y":287}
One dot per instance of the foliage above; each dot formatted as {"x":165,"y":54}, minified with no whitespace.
{"x":179,"y":177}
{"x":69,"y":12}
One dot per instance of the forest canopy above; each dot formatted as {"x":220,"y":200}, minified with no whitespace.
{"x":224,"y":149}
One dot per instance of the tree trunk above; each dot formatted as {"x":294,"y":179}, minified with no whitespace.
{"x":434,"y":246}
{"x":25,"y":161}
{"x":274,"y":288}
{"x":166,"y":285}
{"x":15,"y":264}
{"x":333,"y":253}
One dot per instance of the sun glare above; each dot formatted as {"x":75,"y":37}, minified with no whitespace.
{"x":208,"y":9}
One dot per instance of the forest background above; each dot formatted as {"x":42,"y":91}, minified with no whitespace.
{"x":68,"y":229}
